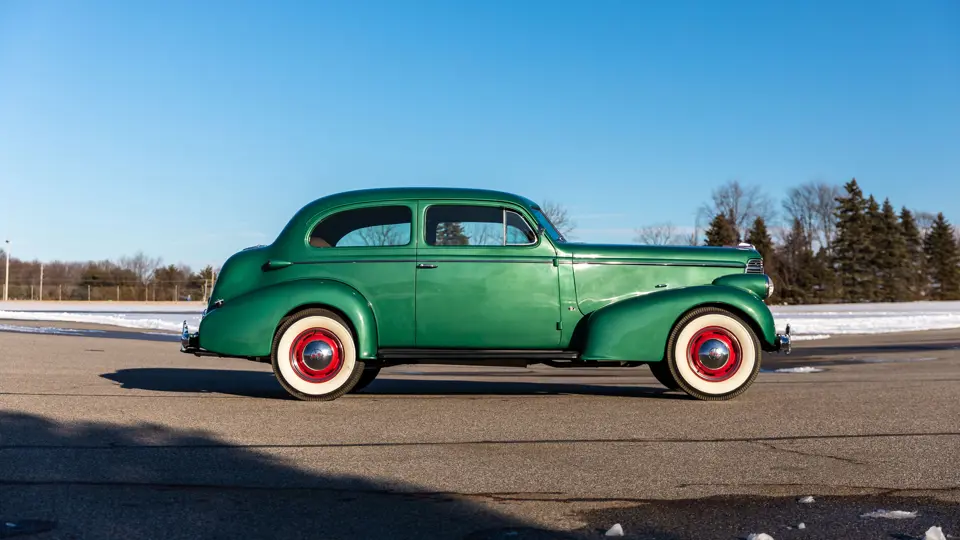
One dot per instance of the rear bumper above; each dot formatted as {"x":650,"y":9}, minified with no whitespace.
{"x":190,"y":343}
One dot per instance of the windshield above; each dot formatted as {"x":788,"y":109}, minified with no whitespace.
{"x":552,"y":231}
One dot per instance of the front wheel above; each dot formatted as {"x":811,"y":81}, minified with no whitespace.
{"x":661,"y":370}
{"x":314,"y":356}
{"x":369,"y":374}
{"x":713,"y":355}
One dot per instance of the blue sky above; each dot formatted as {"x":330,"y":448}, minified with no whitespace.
{"x":192,"y":129}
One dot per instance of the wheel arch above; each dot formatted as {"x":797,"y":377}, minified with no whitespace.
{"x":638,"y":328}
{"x":246,"y":326}
{"x":751,"y":322}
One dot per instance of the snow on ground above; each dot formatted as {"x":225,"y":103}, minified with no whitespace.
{"x":890,"y":514}
{"x":801,"y":369}
{"x":806,"y":322}
{"x":170,"y":322}
{"x":823,"y":321}
{"x":162,"y":317}
{"x":46,"y":330}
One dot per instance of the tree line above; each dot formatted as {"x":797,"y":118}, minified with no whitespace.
{"x":139,"y":277}
{"x":833,"y":245}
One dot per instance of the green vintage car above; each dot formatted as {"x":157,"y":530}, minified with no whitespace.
{"x":366,"y":279}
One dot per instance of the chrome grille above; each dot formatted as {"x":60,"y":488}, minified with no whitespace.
{"x":755,"y":266}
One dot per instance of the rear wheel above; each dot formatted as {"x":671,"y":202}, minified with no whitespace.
{"x":713,"y":355}
{"x":314,"y":356}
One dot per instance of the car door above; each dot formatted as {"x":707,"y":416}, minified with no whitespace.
{"x":485,"y":279}
{"x":372,"y":248}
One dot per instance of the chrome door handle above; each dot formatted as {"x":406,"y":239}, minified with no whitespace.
{"x":422,"y":265}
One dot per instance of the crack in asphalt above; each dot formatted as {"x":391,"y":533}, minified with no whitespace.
{"x":445,"y":496}
{"x":626,"y":440}
{"x":874,"y":490}
{"x":771,"y":446}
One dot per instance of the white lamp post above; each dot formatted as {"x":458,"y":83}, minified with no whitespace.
{"x":6,"y":274}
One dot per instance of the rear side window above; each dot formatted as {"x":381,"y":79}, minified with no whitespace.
{"x":465,"y":225}
{"x":373,"y":226}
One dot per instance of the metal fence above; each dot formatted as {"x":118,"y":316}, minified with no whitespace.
{"x":189,"y":291}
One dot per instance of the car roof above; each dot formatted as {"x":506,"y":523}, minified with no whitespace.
{"x":397,"y":193}
{"x":296,"y":224}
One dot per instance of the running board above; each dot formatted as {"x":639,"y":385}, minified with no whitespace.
{"x":466,"y":355}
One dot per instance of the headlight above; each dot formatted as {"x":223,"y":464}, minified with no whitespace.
{"x":770,"y":287}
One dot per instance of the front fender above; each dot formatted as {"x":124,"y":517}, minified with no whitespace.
{"x":638,"y":328}
{"x":244,"y":326}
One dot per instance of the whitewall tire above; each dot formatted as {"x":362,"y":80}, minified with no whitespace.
{"x":713,"y":354}
{"x":314,"y":356}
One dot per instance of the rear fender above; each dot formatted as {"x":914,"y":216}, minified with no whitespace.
{"x":245,"y":325}
{"x":637,"y":329}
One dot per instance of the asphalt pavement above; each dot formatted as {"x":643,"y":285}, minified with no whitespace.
{"x":112,"y":433}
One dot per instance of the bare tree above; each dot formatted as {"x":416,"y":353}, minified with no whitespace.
{"x":142,"y":266}
{"x":661,"y":234}
{"x":813,"y":204}
{"x":924,"y":221}
{"x":381,"y":235}
{"x":742,"y":204}
{"x":559,"y":216}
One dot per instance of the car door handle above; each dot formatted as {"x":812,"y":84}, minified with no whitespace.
{"x":422,"y":265}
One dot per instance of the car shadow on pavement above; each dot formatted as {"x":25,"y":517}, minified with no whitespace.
{"x":99,"y":480}
{"x":263,"y":384}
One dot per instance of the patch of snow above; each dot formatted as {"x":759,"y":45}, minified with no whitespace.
{"x":801,"y":369}
{"x":145,"y":320}
{"x":759,"y":536}
{"x":801,"y":526}
{"x":47,"y":330}
{"x":831,"y":319}
{"x":806,"y":500}
{"x":934,"y":533}
{"x":890,"y":514}
{"x":616,"y":530}
{"x":808,"y":337}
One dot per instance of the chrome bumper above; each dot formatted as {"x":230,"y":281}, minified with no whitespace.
{"x":189,"y":343}
{"x":783,"y":341}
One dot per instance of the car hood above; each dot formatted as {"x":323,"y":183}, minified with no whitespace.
{"x":701,"y":255}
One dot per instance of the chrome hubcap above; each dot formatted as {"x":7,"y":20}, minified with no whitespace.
{"x":713,"y":353}
{"x":317,"y":355}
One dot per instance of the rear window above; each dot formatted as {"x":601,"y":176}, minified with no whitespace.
{"x":365,"y":227}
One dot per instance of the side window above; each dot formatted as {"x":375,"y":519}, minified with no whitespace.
{"x":519,"y":232}
{"x":465,"y":225}
{"x":373,"y":226}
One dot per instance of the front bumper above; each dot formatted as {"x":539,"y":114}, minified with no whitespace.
{"x":783,"y":342}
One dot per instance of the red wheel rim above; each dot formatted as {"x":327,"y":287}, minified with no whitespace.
{"x":714,"y":354}
{"x":316,"y":355}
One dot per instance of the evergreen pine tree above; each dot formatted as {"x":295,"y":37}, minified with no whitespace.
{"x":915,"y":275}
{"x":869,"y":253}
{"x":892,"y":259}
{"x":722,"y":232}
{"x":451,"y":234}
{"x":849,"y":247}
{"x":760,"y":238}
{"x":824,"y":287}
{"x":797,"y":267}
{"x":943,"y":260}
